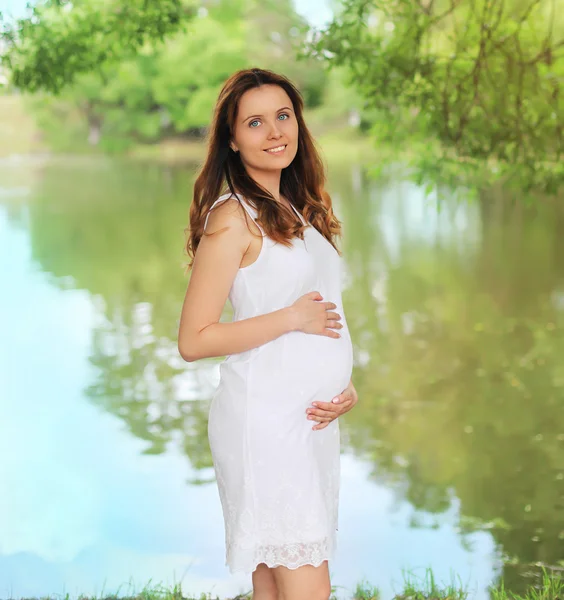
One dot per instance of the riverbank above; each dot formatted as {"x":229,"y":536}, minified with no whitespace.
{"x":549,"y":587}
{"x":20,"y":136}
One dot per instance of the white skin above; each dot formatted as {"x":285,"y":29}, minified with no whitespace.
{"x":265,"y":119}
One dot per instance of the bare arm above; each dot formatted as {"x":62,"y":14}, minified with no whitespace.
{"x":216,"y":262}
{"x":219,"y":339}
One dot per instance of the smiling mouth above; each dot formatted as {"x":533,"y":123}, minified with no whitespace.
{"x":277,"y":150}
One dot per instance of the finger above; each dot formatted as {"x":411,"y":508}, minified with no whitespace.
{"x":330,"y":306}
{"x":333,"y":414}
{"x":333,"y":315}
{"x":320,"y":426}
{"x":332,"y":406}
{"x":342,"y":399}
{"x":324,"y":412}
{"x":334,"y":324}
{"x":344,"y":396}
{"x":331,"y":333}
{"x":322,"y":419}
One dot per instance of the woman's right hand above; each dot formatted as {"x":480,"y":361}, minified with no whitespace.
{"x":312,"y":316}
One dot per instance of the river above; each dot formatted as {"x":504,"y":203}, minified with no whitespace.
{"x":453,"y":458}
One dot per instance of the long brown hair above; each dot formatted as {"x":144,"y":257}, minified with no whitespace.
{"x":302,"y":182}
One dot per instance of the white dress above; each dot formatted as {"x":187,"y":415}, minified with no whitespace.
{"x":278,"y":479}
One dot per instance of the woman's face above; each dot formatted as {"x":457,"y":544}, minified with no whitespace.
{"x":266,"y":130}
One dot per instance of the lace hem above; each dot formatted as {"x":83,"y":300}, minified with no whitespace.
{"x":292,"y":556}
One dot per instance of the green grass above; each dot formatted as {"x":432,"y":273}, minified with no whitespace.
{"x":366,"y":591}
{"x":427,"y":588}
{"x":550,"y":587}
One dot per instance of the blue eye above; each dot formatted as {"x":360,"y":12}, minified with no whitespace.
{"x":280,"y":115}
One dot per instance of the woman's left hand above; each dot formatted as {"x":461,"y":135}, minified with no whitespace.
{"x":325,"y":412}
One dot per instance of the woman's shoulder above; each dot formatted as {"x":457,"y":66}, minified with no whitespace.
{"x":225,"y":212}
{"x":234,"y":197}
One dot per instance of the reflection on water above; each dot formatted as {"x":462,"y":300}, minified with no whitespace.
{"x":453,"y":458}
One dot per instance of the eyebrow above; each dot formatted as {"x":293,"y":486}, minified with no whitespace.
{"x":254,"y":116}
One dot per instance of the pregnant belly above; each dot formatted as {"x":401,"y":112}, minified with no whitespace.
{"x":287,"y":374}
{"x":316,"y":367}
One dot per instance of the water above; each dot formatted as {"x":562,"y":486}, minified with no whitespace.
{"x":453,"y":458}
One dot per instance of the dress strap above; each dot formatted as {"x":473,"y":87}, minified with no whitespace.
{"x":251,"y":211}
{"x":248,"y":208}
{"x":299,"y":215}
{"x":218,"y":201}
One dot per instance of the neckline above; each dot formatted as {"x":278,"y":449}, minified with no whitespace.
{"x":300,"y":216}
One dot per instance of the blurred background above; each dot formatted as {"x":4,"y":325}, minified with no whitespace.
{"x":441,"y":122}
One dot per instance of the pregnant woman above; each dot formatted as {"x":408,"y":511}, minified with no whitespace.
{"x":262,"y":234}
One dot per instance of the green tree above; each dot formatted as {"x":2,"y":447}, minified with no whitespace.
{"x":482,"y":77}
{"x":192,"y":68}
{"x":60,"y":39}
{"x":170,"y":88}
{"x":165,"y":89}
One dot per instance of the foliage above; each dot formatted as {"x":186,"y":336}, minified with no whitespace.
{"x":165,"y":89}
{"x":169,"y":88}
{"x":484,"y":77}
{"x":61,"y":39}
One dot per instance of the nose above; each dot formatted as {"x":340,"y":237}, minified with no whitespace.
{"x":274,"y":132}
